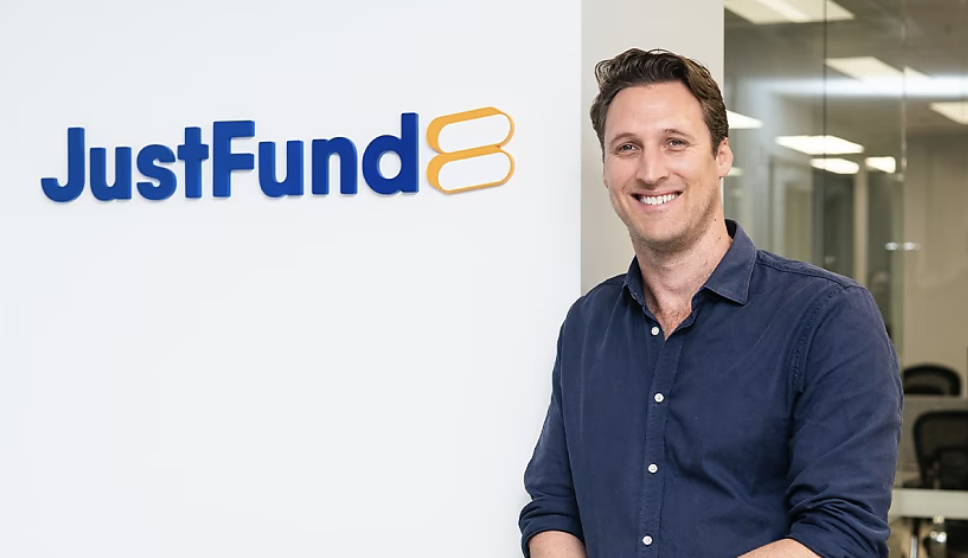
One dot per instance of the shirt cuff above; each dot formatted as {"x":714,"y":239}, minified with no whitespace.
{"x":827,"y":544}
{"x":549,"y":523}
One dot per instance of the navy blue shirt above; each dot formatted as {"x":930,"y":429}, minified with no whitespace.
{"x":773,"y":411}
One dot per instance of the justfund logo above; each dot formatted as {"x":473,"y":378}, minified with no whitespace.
{"x":156,"y":162}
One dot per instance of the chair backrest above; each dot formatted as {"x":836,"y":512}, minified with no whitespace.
{"x":931,"y":379}
{"x":941,"y":444}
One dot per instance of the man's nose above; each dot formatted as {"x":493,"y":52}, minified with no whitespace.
{"x":652,"y":167}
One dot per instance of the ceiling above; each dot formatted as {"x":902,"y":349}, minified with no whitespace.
{"x":930,"y":36}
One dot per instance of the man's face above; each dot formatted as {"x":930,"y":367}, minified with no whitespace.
{"x":660,"y":171}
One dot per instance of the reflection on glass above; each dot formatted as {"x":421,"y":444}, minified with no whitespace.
{"x":851,"y":140}
{"x":820,"y":180}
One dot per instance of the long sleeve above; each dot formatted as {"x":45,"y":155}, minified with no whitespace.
{"x":548,"y":476}
{"x":846,"y":428}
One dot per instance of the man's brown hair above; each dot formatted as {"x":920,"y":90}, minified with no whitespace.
{"x":638,"y":67}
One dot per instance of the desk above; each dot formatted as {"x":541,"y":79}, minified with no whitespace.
{"x":916,"y":502}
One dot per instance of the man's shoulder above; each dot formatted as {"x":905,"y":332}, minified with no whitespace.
{"x":608,"y":289}
{"x":598,"y":301}
{"x":818,"y":294}
{"x":791,"y":271}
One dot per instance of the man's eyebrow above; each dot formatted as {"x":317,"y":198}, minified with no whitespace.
{"x":621,"y":137}
{"x":676,"y":132}
{"x":666,"y":131}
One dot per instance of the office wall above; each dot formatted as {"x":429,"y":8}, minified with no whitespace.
{"x":690,"y":27}
{"x":342,"y":375}
{"x":936,"y":273}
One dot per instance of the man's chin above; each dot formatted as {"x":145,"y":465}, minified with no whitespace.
{"x":657,"y":241}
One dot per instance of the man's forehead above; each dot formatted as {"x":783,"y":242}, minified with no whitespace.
{"x":633,"y":118}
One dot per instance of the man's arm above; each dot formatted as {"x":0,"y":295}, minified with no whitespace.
{"x":845,"y":429}
{"x":781,"y":549}
{"x":556,"y":544}
{"x":550,"y":524}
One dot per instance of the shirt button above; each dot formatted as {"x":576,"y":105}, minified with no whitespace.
{"x":655,"y":331}
{"x":647,"y":540}
{"x":653,"y":468}
{"x":659,"y":398}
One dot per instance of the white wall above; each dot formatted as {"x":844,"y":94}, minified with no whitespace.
{"x":935,"y":203}
{"x":251,"y":377}
{"x":693,"y":28}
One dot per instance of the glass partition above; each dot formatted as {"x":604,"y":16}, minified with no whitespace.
{"x":816,"y":89}
{"x":850,"y":129}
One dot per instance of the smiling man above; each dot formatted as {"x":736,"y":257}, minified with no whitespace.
{"x":716,"y":400}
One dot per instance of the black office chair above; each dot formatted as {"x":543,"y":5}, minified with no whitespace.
{"x":931,"y":379}
{"x":941,"y":444}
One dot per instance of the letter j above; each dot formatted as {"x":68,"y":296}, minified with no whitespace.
{"x":76,"y":172}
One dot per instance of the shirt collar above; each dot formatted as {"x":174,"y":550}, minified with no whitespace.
{"x":731,"y":278}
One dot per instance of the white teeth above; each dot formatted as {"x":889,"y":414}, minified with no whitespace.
{"x":657,"y":200}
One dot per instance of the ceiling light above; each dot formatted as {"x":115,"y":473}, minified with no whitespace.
{"x":868,"y":68}
{"x":955,"y":110}
{"x":936,"y":87}
{"x":763,"y":12}
{"x":739,"y":121}
{"x":883,"y":164}
{"x":837,"y":166}
{"x":914,"y":75}
{"x":864,"y":67}
{"x":820,"y":145}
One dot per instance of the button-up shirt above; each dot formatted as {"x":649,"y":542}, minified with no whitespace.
{"x":772,"y":411}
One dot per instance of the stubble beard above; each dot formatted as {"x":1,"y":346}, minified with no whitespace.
{"x":693,"y":232}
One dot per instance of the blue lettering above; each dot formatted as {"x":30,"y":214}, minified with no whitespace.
{"x":405,"y":147}
{"x":154,"y":163}
{"x":121,"y":189}
{"x":76,"y":174}
{"x":193,"y":152}
{"x":292,"y":185}
{"x":223,"y":160}
{"x":346,"y":151}
{"x":166,"y":178}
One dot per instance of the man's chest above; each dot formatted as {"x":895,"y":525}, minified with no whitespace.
{"x":708,"y":402}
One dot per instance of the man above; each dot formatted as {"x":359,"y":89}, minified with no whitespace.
{"x":716,"y":400}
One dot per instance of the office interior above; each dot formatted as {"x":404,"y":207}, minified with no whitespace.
{"x":849,"y":124}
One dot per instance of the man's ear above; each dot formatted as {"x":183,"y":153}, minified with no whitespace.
{"x":724,"y":158}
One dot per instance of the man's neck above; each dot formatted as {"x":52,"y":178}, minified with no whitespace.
{"x":671,"y":278}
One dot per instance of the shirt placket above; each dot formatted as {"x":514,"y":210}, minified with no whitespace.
{"x":653,"y":465}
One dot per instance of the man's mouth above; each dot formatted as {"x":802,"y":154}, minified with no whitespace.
{"x":656,"y":200}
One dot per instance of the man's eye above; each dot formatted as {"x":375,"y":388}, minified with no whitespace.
{"x":676,"y":143}
{"x":626,"y":147}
